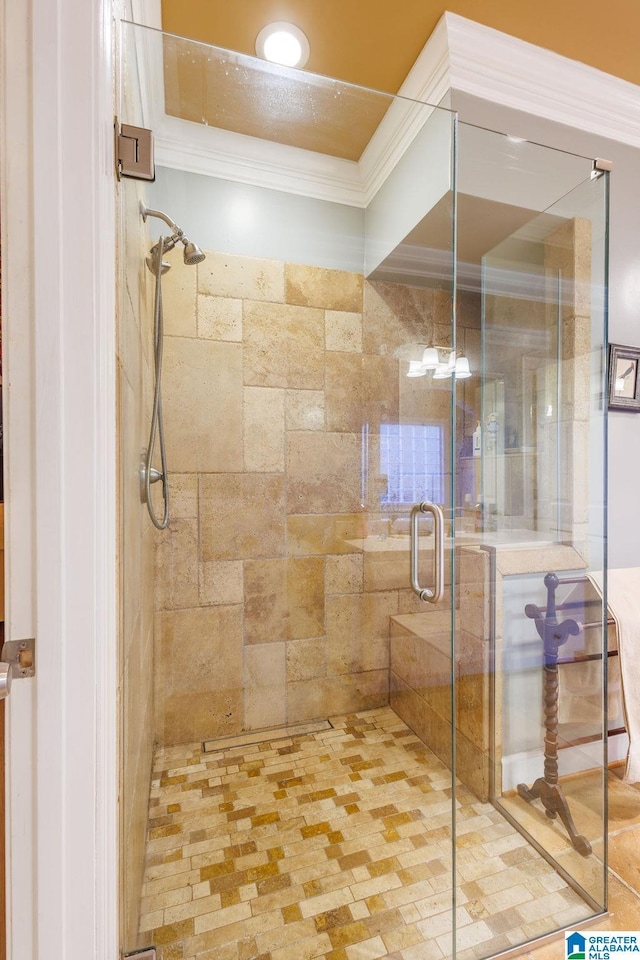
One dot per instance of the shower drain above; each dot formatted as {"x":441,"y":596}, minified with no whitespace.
{"x":261,"y":736}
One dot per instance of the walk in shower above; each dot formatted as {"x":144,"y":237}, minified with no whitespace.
{"x":384,"y":422}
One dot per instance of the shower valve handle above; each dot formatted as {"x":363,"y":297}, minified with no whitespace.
{"x":154,"y":476}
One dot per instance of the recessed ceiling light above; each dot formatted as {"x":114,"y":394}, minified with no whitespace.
{"x":284,"y":43}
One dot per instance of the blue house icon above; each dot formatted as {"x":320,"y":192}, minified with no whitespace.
{"x":576,"y":945}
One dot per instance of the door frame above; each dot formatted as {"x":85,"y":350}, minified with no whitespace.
{"x":58,"y":227}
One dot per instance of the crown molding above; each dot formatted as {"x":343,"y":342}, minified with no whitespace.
{"x":425,"y":85}
{"x":460,"y":55}
{"x":234,"y":156}
{"x":495,"y":66}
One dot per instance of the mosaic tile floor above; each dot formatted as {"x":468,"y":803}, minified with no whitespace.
{"x":334,"y":845}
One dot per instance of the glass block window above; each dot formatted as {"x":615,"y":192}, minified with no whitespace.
{"x":412,"y":457}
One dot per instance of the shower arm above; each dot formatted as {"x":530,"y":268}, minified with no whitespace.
{"x":159,"y":215}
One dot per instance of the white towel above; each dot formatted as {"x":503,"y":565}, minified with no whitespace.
{"x":623,"y":599}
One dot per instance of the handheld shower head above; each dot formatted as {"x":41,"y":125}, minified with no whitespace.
{"x":192,"y":252}
{"x":151,"y":260}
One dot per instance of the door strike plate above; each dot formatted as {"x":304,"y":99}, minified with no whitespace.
{"x":21,"y":655}
{"x":134,"y":152}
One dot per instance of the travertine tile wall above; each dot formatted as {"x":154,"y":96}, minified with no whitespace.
{"x":422,"y":675}
{"x":136,"y":550}
{"x":273,"y":591}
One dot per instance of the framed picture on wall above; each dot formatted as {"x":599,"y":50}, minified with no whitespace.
{"x":624,"y":378}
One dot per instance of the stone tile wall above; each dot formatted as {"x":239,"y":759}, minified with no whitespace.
{"x":421,"y":664}
{"x":136,"y":548}
{"x":423,"y":676}
{"x":273,"y":592}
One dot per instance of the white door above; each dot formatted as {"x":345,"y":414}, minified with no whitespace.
{"x":57,"y":190}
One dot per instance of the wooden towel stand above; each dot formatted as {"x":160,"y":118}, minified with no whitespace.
{"x":547,"y":788}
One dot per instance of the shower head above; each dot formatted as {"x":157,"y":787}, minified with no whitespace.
{"x":192,"y":252}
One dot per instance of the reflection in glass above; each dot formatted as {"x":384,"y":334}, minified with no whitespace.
{"x":626,"y":374}
{"x":542,"y":466}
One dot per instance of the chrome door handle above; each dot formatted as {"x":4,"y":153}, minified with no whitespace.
{"x":435,"y":595}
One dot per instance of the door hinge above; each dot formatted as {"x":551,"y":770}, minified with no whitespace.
{"x":134,"y":152}
{"x":601,"y":166}
{"x":21,"y":656}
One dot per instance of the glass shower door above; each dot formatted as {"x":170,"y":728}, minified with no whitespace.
{"x":313,"y":760}
{"x":531,"y":640}
{"x":286,"y":727}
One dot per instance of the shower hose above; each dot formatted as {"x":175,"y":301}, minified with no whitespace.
{"x":157,"y":425}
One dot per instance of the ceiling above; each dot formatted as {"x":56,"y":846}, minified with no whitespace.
{"x":331,"y":118}
{"x":372,"y":44}
{"x":376,"y":42}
